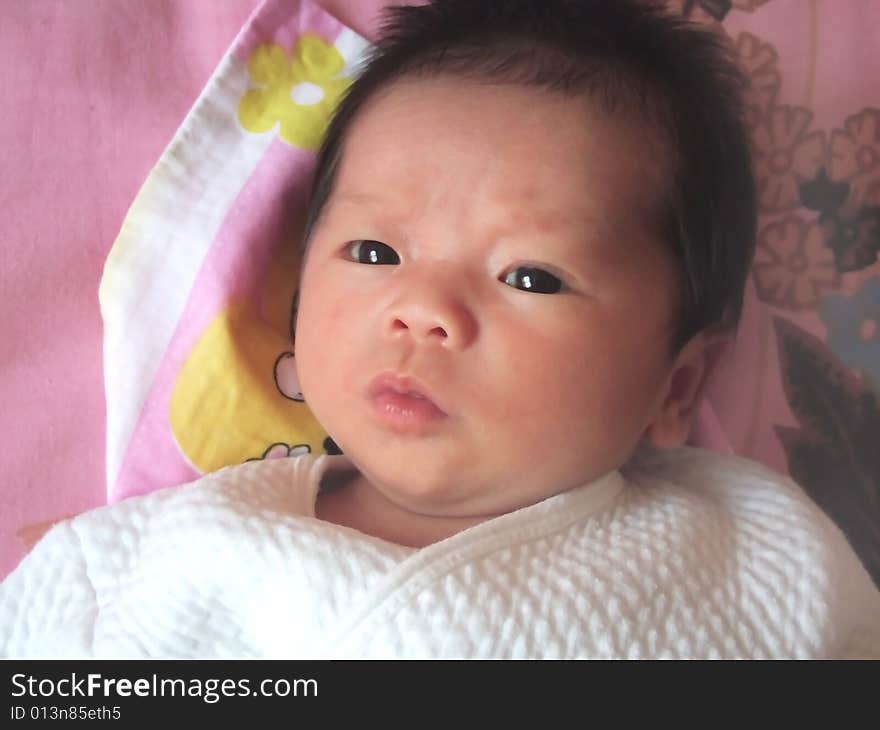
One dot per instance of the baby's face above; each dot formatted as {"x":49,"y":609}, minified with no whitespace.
{"x":485,"y":309}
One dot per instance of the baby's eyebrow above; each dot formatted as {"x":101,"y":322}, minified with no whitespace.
{"x":582,"y":226}
{"x":511,"y":220}
{"x":514,"y":215}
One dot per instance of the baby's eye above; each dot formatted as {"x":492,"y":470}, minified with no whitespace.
{"x":531,"y":279}
{"x":373,"y":252}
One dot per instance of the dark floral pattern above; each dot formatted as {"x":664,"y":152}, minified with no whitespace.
{"x":853,"y":324}
{"x":823,"y":194}
{"x":854,"y":157}
{"x":748,"y":5}
{"x":787,"y":154}
{"x":758,"y":61}
{"x":851,"y":233}
{"x":833,"y":453}
{"x":819,"y":238}
{"x":716,"y":10}
{"x":854,"y":237}
{"x":793,"y":268}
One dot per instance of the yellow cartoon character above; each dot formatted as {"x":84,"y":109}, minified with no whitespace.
{"x":236,"y":397}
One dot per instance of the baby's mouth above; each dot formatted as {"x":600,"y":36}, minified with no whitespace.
{"x":403,"y":402}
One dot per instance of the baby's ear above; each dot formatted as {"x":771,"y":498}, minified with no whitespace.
{"x":684,"y":388}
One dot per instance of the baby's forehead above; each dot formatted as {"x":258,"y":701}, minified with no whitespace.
{"x":529,"y":149}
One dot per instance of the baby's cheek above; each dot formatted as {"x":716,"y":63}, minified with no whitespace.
{"x":589,"y":393}
{"x":341,"y":314}
{"x":321,"y":309}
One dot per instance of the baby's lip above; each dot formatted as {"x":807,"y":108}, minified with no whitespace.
{"x":405,"y":385}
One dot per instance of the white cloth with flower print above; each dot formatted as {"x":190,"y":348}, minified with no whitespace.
{"x":197,"y":289}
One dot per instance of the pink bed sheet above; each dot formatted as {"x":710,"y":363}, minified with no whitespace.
{"x":92,"y":93}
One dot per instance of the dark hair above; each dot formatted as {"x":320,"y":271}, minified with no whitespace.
{"x":632,"y":55}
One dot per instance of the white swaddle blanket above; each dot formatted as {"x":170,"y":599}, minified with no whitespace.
{"x":683,"y":554}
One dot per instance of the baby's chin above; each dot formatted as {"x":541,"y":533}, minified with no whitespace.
{"x":452,"y":494}
{"x":432,"y":492}
{"x":464,"y":472}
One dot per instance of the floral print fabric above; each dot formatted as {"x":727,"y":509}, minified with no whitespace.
{"x":814,"y":117}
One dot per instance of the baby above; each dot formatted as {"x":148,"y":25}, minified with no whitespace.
{"x":527,"y":243}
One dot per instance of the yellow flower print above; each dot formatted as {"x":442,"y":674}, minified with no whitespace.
{"x":299,"y":92}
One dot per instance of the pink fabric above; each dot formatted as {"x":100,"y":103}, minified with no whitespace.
{"x":92,"y":94}
{"x":820,"y":60}
{"x":802,"y":390}
{"x":235,"y":268}
{"x":197,"y":289}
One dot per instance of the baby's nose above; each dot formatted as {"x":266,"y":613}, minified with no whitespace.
{"x":432,"y":315}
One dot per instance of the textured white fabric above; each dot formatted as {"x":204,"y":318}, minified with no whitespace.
{"x":681,"y":554}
